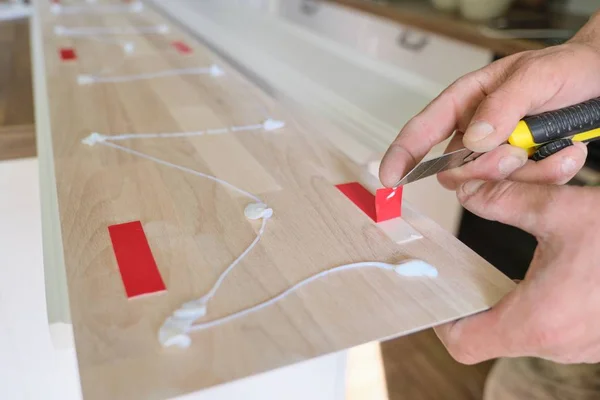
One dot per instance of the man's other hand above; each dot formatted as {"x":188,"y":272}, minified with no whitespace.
{"x":487,"y":105}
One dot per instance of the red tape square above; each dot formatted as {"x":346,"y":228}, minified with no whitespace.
{"x":67,"y":54}
{"x":388,"y":206}
{"x":379,"y":208}
{"x":182,"y":47}
{"x":136,"y":263}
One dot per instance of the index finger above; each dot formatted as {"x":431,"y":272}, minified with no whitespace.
{"x":452,"y":109}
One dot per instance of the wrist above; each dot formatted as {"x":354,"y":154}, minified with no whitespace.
{"x":589,"y":34}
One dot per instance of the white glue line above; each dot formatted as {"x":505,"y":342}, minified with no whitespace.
{"x":59,"y":9}
{"x":273,"y":300}
{"x":127,"y":45}
{"x":176,"y":328}
{"x":179,"y":167}
{"x":191,"y":311}
{"x":213,"y":70}
{"x":60,"y":30}
{"x":203,"y":301}
{"x":268,"y":125}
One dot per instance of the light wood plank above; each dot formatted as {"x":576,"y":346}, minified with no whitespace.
{"x":196,"y":227}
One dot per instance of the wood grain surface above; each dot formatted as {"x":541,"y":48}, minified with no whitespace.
{"x":196,"y":227}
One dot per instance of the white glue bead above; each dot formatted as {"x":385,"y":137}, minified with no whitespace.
{"x":416,"y":268}
{"x":255,"y":211}
{"x":55,"y":9}
{"x":174,"y":332}
{"x":59,"y":30}
{"x":85,"y":79}
{"x":191,"y":311}
{"x":272,"y":124}
{"x":215,"y":70}
{"x":163,"y":29}
{"x":93,"y":139}
{"x":128,"y":47}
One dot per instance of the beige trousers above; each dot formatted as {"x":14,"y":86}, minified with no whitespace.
{"x":536,"y":379}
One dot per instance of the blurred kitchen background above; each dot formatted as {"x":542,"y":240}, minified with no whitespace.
{"x":365,"y":66}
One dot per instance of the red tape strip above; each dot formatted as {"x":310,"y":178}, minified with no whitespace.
{"x":182,"y":47}
{"x":360,"y":196}
{"x":380,"y":207}
{"x":138,"y":269}
{"x":67,"y":54}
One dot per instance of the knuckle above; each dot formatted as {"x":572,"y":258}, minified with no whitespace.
{"x":460,"y":82}
{"x":418,"y":123}
{"x":528,"y":67}
{"x":551,"y":173}
{"x":527,"y":61}
{"x":495,"y":103}
{"x":499,"y":193}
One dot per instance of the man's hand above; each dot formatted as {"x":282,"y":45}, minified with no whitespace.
{"x":554,"y":312}
{"x":487,"y":105}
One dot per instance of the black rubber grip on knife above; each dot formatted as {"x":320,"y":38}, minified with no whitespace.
{"x":565,"y":122}
{"x":551,"y":148}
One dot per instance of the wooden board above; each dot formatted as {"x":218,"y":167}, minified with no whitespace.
{"x":196,"y":227}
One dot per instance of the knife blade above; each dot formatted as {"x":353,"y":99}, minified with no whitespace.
{"x":436,"y":165}
{"x":541,"y":135}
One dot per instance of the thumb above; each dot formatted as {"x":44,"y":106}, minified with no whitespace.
{"x":490,"y":334}
{"x":532,"y":208}
{"x":524,"y":92}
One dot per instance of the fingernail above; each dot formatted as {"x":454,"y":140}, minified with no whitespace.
{"x":509,"y":164}
{"x":478,"y":130}
{"x":471,"y":187}
{"x":568,"y":166}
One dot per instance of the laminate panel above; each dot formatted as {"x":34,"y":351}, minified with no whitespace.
{"x":196,"y":226}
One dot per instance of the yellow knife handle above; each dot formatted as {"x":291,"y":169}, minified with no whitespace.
{"x":581,"y":122}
